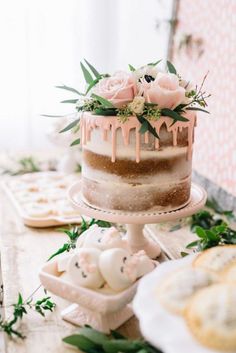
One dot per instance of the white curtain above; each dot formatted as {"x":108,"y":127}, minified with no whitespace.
{"x":42,"y":43}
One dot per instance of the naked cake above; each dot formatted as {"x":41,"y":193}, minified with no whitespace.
{"x":137,"y":134}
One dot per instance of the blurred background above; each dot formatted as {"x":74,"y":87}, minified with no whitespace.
{"x":42,"y":43}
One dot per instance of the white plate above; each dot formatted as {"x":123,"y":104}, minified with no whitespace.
{"x":162,"y":329}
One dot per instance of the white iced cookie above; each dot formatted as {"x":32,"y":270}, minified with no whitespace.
{"x":117,"y":268}
{"x":101,"y":238}
{"x":216,"y":258}
{"x":83,"y":268}
{"x":143,"y":262}
{"x":64,"y":208}
{"x":37,"y":210}
{"x":175,"y":291}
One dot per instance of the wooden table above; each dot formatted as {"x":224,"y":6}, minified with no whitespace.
{"x":24,"y":250}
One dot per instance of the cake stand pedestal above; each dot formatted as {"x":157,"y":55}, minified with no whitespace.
{"x":135,"y":221}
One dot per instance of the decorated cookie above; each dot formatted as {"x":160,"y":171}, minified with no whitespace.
{"x":211,"y":317}
{"x":83,"y":268}
{"x":178,"y":288}
{"x":37,"y":210}
{"x":217,"y":258}
{"x":117,"y":269}
{"x":228,"y":274}
{"x":143,"y":262}
{"x":101,"y":238}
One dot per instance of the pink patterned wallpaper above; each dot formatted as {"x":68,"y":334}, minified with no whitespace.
{"x":214,"y":23}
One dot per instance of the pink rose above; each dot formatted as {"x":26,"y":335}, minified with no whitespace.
{"x":164,"y":91}
{"x":119,"y":89}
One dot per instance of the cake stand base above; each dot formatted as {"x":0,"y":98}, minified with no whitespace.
{"x":80,"y":316}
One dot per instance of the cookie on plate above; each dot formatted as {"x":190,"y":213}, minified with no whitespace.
{"x":228,"y":274}
{"x":217,"y":258}
{"x":211,"y":316}
{"x":176,"y":290}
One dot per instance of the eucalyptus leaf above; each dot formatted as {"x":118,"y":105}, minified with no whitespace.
{"x":92,"y":84}
{"x":70,"y":126}
{"x":87,"y":76}
{"x":131,"y":68}
{"x":198,"y":109}
{"x":71,"y":89}
{"x":151,"y":129}
{"x":92,"y":68}
{"x":105,"y":103}
{"x":173,"y":114}
{"x":144,"y":127}
{"x":192,"y":244}
{"x":171,"y":68}
{"x":75,"y":142}
{"x":105,"y":111}
{"x":155,"y":63}
{"x":71,"y":101}
{"x":200,"y":232}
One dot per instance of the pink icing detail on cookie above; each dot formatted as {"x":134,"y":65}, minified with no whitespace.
{"x":90,"y":122}
{"x":85,"y":263}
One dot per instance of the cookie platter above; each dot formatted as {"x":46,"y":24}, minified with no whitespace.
{"x":40,"y":199}
{"x":179,"y":318}
{"x":99,"y":277}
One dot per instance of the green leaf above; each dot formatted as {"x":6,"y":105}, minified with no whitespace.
{"x":20,"y":299}
{"x":200,"y":232}
{"x":155,"y":63}
{"x":192,"y":245}
{"x":75,"y":142}
{"x":172,"y":114}
{"x":87,"y":76}
{"x":183,"y":253}
{"x":92,"y":84}
{"x":64,"y":248}
{"x":105,"y":111}
{"x":196,"y":108}
{"x":171,"y":68}
{"x":144,"y":127}
{"x":117,"y":335}
{"x":121,"y":345}
{"x":105,"y":103}
{"x":80,"y":342}
{"x":131,"y":68}
{"x":52,"y":116}
{"x":70,"y":126}
{"x":94,"y":71}
{"x":71,"y":89}
{"x":72,"y":101}
{"x":93,"y":335}
{"x":151,"y":129}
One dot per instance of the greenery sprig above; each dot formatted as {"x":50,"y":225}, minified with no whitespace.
{"x":74,"y":233}
{"x":89,"y":340}
{"x":20,"y":308}
{"x":211,"y":231}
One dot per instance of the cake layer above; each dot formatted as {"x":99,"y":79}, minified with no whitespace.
{"x":168,"y":167}
{"x":136,"y":197}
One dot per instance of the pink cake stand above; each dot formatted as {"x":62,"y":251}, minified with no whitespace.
{"x":135,"y":221}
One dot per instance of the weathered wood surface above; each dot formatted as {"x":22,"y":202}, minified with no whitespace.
{"x":23,"y":252}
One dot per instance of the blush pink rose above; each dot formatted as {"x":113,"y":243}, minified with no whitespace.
{"x":119,"y":89}
{"x":164,"y":91}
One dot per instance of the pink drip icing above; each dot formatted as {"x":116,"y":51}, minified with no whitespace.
{"x":90,"y":122}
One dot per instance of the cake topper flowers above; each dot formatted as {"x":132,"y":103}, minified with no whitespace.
{"x":147,"y":93}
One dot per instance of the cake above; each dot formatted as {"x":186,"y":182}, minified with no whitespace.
{"x":124,"y":170}
{"x":137,"y":134}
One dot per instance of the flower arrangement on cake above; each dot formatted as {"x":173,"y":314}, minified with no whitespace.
{"x":137,"y":134}
{"x":147,"y":93}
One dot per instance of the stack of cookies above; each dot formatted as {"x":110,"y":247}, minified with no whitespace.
{"x":204,"y":294}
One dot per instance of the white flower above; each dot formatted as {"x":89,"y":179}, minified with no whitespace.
{"x":148,"y":71}
{"x":137,"y":105}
